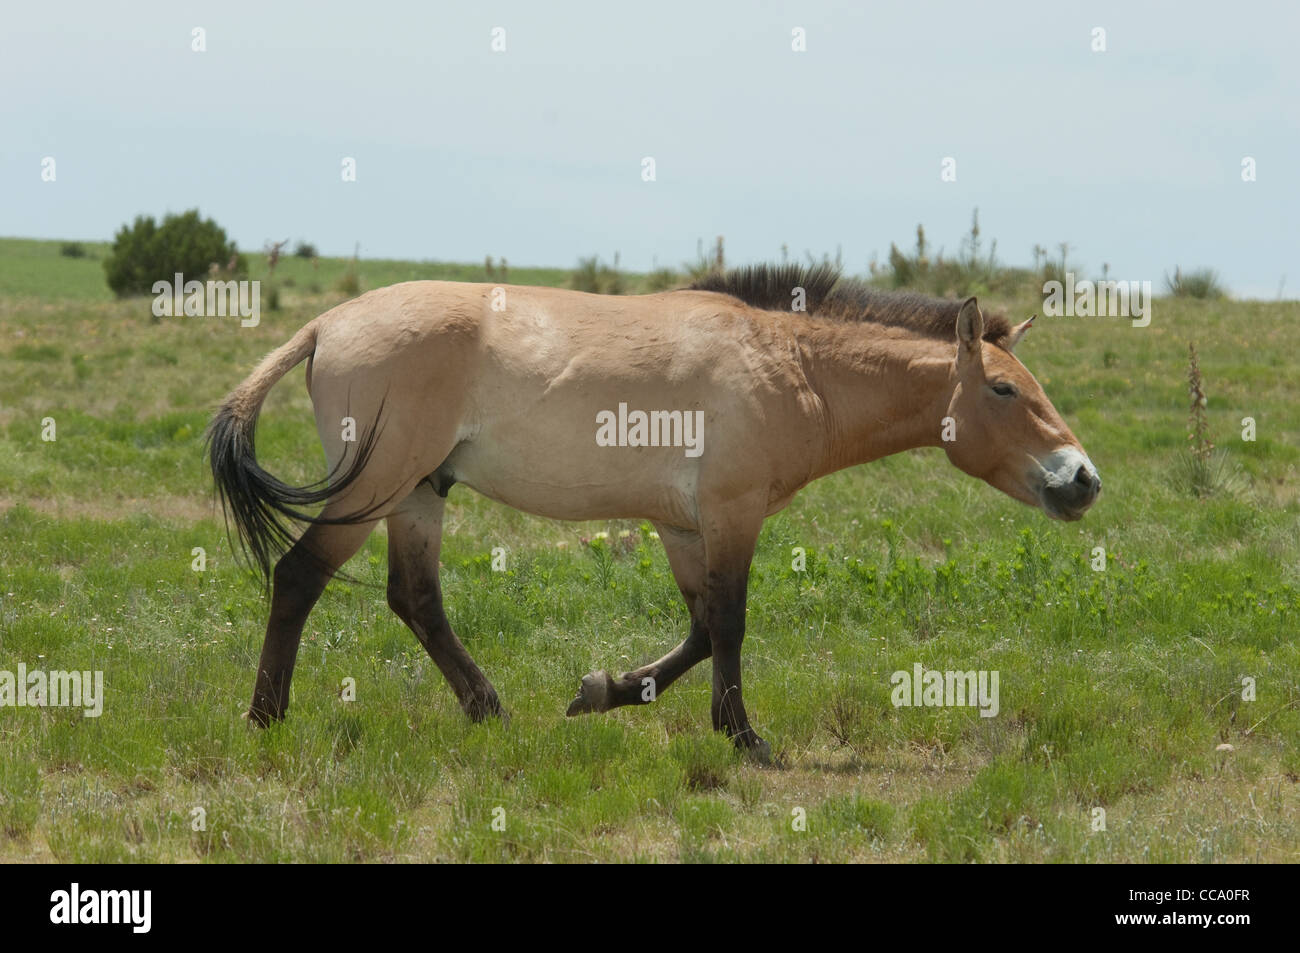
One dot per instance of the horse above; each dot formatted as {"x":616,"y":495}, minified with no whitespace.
{"x":790,"y":373}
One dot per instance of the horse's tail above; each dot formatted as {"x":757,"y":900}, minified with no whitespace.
{"x":257,"y":501}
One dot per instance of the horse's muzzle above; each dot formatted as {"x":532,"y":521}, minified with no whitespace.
{"x":1069,"y":490}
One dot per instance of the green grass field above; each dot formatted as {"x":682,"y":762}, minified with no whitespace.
{"x":1117,"y":688}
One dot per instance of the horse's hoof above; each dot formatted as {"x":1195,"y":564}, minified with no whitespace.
{"x":257,"y":718}
{"x":759,"y":751}
{"x":481,"y":709}
{"x":593,"y":694}
{"x":481,"y":718}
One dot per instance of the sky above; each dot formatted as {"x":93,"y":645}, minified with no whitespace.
{"x":1133,"y":155}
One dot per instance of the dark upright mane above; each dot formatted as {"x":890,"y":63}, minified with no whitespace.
{"x":830,"y":296}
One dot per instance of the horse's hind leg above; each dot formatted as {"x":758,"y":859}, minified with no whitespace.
{"x":298,"y":581}
{"x":600,"y":691}
{"x":415,"y":594}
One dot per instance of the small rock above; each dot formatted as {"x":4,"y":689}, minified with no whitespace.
{"x":1225,"y":747}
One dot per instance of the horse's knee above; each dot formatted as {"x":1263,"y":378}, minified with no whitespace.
{"x":418,"y":603}
{"x":698,"y":644}
{"x":399,"y":599}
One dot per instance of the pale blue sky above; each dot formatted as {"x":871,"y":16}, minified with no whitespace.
{"x":1133,"y":155}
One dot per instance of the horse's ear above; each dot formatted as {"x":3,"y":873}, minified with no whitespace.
{"x":1018,"y":332}
{"x":970,"y":329}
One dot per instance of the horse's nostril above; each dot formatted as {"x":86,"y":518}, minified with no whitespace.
{"x":1083,"y":478}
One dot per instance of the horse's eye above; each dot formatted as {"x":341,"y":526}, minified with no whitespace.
{"x":1004,"y":390}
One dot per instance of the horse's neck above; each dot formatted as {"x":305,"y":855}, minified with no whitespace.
{"x":881,"y":395}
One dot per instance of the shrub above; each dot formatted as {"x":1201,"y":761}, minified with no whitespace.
{"x":145,"y":252}
{"x":1202,"y":283}
{"x":662,"y":279}
{"x":304,"y":250}
{"x":348,"y":283}
{"x":971,"y":271}
{"x":704,"y":265}
{"x":597,"y":278}
{"x":902,"y":270}
{"x":72,"y":250}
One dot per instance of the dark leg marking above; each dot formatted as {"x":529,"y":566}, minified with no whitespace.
{"x":415,"y":594}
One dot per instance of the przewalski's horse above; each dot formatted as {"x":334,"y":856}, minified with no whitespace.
{"x":506,"y":389}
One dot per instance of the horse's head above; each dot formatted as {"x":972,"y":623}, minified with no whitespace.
{"x":1006,"y":431}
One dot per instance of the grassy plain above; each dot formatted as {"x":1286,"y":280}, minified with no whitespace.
{"x":1117,"y":687}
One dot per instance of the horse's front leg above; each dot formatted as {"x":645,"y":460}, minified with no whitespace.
{"x":601,"y":691}
{"x":726,"y":626}
{"x":729,"y":541}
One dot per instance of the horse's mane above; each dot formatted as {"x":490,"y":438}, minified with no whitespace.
{"x":829,"y":295}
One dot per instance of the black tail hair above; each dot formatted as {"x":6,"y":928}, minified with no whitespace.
{"x":260,"y":504}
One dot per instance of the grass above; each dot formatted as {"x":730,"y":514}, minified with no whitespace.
{"x":1117,"y":687}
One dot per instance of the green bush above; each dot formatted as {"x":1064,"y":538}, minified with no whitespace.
{"x":1202,"y":283}
{"x":72,"y":250}
{"x":595,"y":277}
{"x":662,"y":279}
{"x":145,"y":252}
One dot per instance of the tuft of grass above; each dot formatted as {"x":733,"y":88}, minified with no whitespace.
{"x":703,"y":264}
{"x":1201,"y":470}
{"x":844,"y":718}
{"x":348,"y":283}
{"x":971,"y":271}
{"x":595,"y":277}
{"x":37,"y":352}
{"x":707,"y":761}
{"x":662,"y":279}
{"x":855,"y":814}
{"x":1199,"y":283}
{"x":1212,"y":474}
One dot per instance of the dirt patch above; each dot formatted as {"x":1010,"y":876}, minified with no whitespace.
{"x":178,"y":508}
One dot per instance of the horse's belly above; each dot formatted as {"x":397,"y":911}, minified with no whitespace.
{"x":586,"y":486}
